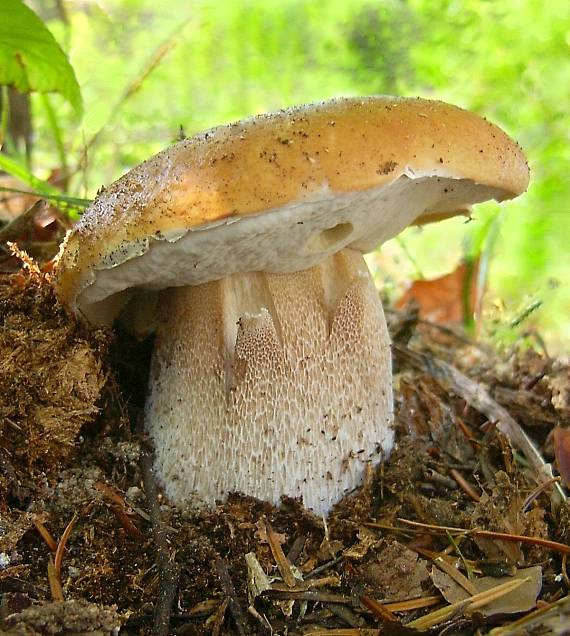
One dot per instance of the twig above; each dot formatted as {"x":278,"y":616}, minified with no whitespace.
{"x":345,"y":631}
{"x":465,"y":485}
{"x":282,"y":564}
{"x":324,"y":567}
{"x":451,"y":379}
{"x":230,"y":592}
{"x":264,"y":624}
{"x":379,"y":610}
{"x":442,"y":328}
{"x":344,"y":613}
{"x":167,"y":568}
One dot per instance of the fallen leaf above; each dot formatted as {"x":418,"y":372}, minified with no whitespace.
{"x":443,"y":299}
{"x":522,"y":599}
{"x":13,"y":204}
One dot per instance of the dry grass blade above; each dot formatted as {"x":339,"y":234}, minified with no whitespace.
{"x":120,"y":509}
{"x":54,"y":582}
{"x":45,"y":535}
{"x":62,"y":543}
{"x":470,"y":604}
{"x":538,"y":491}
{"x":309,"y":595}
{"x":151,"y":64}
{"x":413,"y":604}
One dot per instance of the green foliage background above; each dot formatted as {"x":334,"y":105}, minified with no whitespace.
{"x":148,"y":67}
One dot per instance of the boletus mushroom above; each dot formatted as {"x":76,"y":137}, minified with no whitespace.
{"x":271,"y":371}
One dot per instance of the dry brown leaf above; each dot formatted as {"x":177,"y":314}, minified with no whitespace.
{"x":522,"y":599}
{"x":500,"y":510}
{"x":13,"y":204}
{"x":442,"y":299}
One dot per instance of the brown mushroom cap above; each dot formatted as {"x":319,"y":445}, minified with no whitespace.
{"x":286,"y":172}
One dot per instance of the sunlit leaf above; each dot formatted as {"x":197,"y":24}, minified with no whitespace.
{"x":30,"y":58}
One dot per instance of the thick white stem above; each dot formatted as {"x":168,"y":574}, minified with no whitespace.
{"x":272,"y":384}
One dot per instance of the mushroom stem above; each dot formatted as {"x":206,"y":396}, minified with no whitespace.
{"x":272,"y":384}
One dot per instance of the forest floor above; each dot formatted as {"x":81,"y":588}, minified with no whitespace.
{"x":462,"y":530}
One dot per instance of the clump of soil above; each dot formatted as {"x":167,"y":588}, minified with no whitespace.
{"x":94,"y":546}
{"x":51,"y":378}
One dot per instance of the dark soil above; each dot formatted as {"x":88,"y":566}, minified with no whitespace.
{"x":88,"y":546}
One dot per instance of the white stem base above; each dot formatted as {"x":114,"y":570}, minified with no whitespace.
{"x":271,"y":385}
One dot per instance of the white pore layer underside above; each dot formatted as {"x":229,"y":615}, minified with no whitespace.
{"x":286,"y":239}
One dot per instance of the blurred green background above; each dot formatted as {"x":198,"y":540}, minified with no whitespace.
{"x":146,"y":68}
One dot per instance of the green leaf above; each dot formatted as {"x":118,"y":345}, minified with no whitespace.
{"x":30,"y":58}
{"x":17,"y":170}
{"x":74,"y":206}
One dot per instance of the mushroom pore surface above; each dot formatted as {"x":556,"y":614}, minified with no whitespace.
{"x":272,"y":384}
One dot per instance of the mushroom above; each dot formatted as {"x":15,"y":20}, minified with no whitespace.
{"x":271,"y":369}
